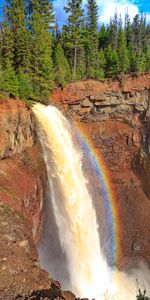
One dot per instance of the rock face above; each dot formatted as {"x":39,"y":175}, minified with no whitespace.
{"x":22,"y":187}
{"x":16,"y":128}
{"x":23,"y":184}
{"x":120,"y":146}
{"x":115,"y":115}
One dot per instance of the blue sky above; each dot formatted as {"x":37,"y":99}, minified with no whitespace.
{"x":107,"y":8}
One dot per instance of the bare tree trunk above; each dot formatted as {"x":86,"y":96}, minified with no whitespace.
{"x":75,"y":62}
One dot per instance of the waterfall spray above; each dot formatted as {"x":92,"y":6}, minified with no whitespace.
{"x":75,"y":215}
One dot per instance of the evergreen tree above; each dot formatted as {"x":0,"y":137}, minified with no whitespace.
{"x":16,"y":14}
{"x":81,"y":64}
{"x":47,"y":13}
{"x":102,"y":64}
{"x":62,"y":68}
{"x":9,"y":81}
{"x":42,"y":65}
{"x":112,"y":62}
{"x":123,"y":55}
{"x":136,"y":32}
{"x":25,"y":90}
{"x":103,"y":37}
{"x":7,"y":44}
{"x":72,"y":31}
{"x":92,"y":39}
{"x":139,"y":63}
{"x":148,"y":58}
{"x":143,"y":41}
{"x":113,"y":31}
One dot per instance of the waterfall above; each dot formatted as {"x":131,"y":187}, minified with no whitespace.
{"x":74,"y":212}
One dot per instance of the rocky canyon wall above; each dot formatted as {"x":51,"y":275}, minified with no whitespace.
{"x":22,"y":191}
{"x":115,"y":115}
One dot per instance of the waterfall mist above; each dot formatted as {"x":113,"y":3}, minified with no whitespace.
{"x":73,"y":244}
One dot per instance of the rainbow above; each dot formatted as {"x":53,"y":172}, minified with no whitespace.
{"x":109,"y":193}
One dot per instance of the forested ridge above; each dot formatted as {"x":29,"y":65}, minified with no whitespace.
{"x":35,"y":56}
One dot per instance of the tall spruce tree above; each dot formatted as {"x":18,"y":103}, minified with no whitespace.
{"x":92,"y":39}
{"x":123,"y":54}
{"x":103,"y":37}
{"x":16,"y":15}
{"x":7,"y":45}
{"x":62,"y":68}
{"x":112,"y":62}
{"x":47,"y":13}
{"x":72,"y":32}
{"x":42,"y":65}
{"x":113,"y":31}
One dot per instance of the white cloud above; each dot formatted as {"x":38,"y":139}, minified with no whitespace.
{"x":148,"y":18}
{"x":107,"y":9}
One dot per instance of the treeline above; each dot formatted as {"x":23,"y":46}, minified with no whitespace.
{"x":35,"y":57}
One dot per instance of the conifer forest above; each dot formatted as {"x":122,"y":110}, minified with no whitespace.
{"x":36,"y":55}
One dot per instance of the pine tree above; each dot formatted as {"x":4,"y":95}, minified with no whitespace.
{"x":136,"y":32}
{"x":123,"y":54}
{"x":72,"y":31}
{"x":143,"y":41}
{"x":139,"y":63}
{"x":42,"y":65}
{"x":81,"y":64}
{"x":112,"y":62}
{"x":46,"y":13}
{"x":16,"y":14}
{"x":148,"y":58}
{"x":102,"y":64}
{"x":25,"y":90}
{"x":92,"y":39}
{"x":7,"y":44}
{"x":9,"y":81}
{"x":113,"y":31}
{"x":103,"y":37}
{"x":62,"y":68}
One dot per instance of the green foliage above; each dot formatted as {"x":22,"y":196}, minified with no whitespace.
{"x":9,"y":82}
{"x":72,"y":32}
{"x":102,"y":64}
{"x":62,"y":68}
{"x":92,"y":39}
{"x":139,"y":62}
{"x":33,"y":58}
{"x":112,"y":65}
{"x":81,"y":64}
{"x":25,"y":90}
{"x":123,"y":54}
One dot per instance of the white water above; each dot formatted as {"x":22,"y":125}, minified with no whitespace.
{"x":75,"y":215}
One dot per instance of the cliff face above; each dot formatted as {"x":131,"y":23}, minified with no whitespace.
{"x":116,"y":117}
{"x":16,"y":128}
{"x":22,"y":169}
{"x":22,"y":188}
